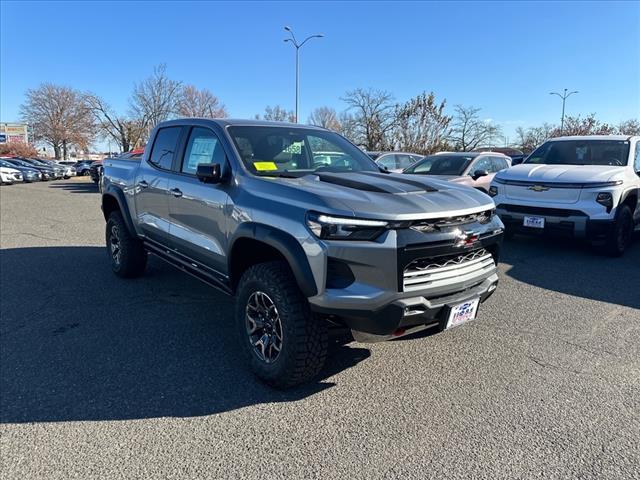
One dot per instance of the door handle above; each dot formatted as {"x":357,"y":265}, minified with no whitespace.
{"x":143,"y":184}
{"x":176,"y":192}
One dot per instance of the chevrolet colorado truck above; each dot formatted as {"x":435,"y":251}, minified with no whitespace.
{"x":303,"y":239}
{"x":583,"y":187}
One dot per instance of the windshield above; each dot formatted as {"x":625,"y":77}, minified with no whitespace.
{"x":441,"y":165}
{"x":291,"y":151}
{"x":581,"y":152}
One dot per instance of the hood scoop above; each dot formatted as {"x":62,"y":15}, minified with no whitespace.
{"x":376,"y":182}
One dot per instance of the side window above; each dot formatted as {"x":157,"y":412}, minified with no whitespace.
{"x":388,"y":161}
{"x":483,"y":163}
{"x":203,"y":147}
{"x":164,"y":147}
{"x":498,"y":163}
{"x":404,"y":161}
{"x":636,"y":162}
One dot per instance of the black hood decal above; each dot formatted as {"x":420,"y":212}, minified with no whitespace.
{"x":376,"y":182}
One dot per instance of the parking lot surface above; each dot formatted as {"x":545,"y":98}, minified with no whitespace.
{"x":107,"y":378}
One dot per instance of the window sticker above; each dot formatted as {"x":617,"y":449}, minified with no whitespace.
{"x":265,"y":166}
{"x":201,"y":151}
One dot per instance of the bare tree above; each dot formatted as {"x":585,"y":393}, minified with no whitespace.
{"x":421,"y":125}
{"x":373,"y":115}
{"x":193,"y":102}
{"x":59,"y":117}
{"x":155,"y":99}
{"x":277,"y":114}
{"x":578,"y":125}
{"x":325,"y":117}
{"x":469,"y":131}
{"x":629,"y":127}
{"x":348,"y":127}
{"x":127,"y":132}
{"x":531,"y":138}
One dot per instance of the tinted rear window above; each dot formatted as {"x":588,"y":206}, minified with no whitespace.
{"x":164,"y":147}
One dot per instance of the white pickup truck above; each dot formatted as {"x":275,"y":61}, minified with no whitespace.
{"x":585,"y":187}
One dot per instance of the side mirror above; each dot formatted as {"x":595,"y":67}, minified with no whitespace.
{"x":479,"y":173}
{"x":209,"y":172}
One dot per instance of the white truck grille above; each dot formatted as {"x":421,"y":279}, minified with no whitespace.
{"x":435,"y":272}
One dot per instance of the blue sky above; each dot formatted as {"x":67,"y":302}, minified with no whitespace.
{"x":502,"y":57}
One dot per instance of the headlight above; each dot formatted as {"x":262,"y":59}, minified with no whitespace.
{"x":328,"y":227}
{"x":605,"y":199}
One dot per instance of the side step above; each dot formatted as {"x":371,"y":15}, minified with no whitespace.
{"x":202,"y":273}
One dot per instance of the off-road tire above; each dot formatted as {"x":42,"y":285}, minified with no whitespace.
{"x":621,"y":234}
{"x":132,"y":258}
{"x":304,"y":337}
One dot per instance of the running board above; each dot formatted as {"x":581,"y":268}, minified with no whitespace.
{"x":195,"y":270}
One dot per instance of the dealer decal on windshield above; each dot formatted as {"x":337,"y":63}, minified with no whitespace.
{"x":265,"y":166}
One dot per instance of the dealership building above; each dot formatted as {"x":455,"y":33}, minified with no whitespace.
{"x":14,"y":133}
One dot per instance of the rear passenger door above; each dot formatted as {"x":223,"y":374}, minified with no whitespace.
{"x":152,"y":185}
{"x":196,"y":209}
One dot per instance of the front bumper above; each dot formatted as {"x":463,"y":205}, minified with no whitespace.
{"x":386,"y":293}
{"x":405,"y":313}
{"x":567,"y":223}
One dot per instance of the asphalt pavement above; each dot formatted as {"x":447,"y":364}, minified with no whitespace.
{"x":106,"y":378}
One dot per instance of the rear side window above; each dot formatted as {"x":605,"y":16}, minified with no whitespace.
{"x":404,"y":161}
{"x":164,"y":147}
{"x":203,"y":147}
{"x":636,"y":162}
{"x":498,"y":164}
{"x":388,"y":161}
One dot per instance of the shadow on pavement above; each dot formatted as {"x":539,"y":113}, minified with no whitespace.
{"x":573,"y":268}
{"x":77,"y":343}
{"x":76,"y":186}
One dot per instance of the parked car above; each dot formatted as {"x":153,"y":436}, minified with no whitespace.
{"x":46,"y":171}
{"x":96,"y":171}
{"x":69,"y":166}
{"x":9,"y":175}
{"x":394,"y":161}
{"x":245,"y":207}
{"x":516,"y":156}
{"x":28,"y":174}
{"x":473,"y":169}
{"x":82,"y":167}
{"x":584,"y":187}
{"x":59,"y":170}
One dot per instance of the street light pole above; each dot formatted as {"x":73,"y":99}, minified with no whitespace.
{"x":564,"y":97}
{"x":298,"y":46}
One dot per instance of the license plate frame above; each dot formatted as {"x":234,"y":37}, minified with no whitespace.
{"x":462,"y":313}
{"x":533,"y":222}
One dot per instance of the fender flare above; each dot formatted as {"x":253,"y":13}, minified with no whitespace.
{"x":284,"y":243}
{"x":116,"y":193}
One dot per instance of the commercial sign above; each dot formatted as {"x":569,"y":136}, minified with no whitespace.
{"x":13,"y":133}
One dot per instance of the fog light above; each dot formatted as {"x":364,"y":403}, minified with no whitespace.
{"x":605,"y":199}
{"x":493,"y":191}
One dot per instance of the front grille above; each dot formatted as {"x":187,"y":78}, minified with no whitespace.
{"x":553,"y":212}
{"x":441,"y":271}
{"x":431,"y":225}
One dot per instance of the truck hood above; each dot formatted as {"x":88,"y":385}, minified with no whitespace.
{"x":379,"y":195}
{"x":577,"y":174}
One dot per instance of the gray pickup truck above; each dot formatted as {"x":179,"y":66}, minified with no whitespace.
{"x":306,"y":231}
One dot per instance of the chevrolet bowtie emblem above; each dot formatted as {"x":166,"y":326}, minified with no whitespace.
{"x":466,"y":238}
{"x":538,"y":188}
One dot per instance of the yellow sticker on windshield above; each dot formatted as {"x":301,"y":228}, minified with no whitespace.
{"x":265,"y":166}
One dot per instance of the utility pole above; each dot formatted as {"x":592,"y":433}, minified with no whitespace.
{"x":298,"y":46}
{"x":564,"y":97}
